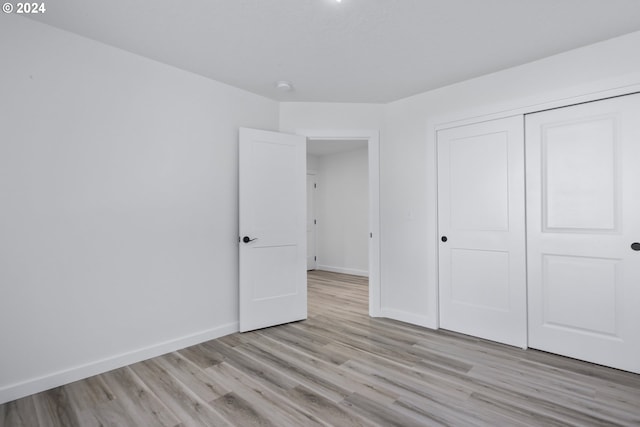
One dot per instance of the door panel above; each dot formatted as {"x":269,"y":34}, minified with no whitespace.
{"x":467,"y":266}
{"x":273,"y":281}
{"x":478,"y":174}
{"x":481,"y":212}
{"x":579,"y":160}
{"x":583,"y":213}
{"x":596,"y":279}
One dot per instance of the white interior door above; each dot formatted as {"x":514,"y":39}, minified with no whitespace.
{"x":311,"y":221}
{"x":583,"y":207}
{"x":481,"y":221}
{"x":272,"y":223}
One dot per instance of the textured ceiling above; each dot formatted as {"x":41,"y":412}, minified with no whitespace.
{"x":353,"y":51}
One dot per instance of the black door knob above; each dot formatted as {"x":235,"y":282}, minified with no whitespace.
{"x":247,"y":239}
{"x":443,"y":238}
{"x":635,"y":246}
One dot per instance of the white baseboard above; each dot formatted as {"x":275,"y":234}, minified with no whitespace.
{"x":343,"y":270}
{"x":55,"y":379}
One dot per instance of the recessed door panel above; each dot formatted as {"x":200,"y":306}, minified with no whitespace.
{"x":479,"y":174}
{"x":580,"y":171}
{"x":580,"y":293}
{"x":277,"y":266}
{"x":468,"y":268}
{"x":274,"y":191}
{"x":583,"y":214}
{"x":481,"y":222}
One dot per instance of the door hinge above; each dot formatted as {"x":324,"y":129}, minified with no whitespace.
{"x":315,"y":185}
{"x":315,"y":222}
{"x":371,"y":235}
{"x":315,"y":258}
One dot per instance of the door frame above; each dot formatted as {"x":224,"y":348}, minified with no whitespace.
{"x":602,"y":89}
{"x":373,"y":151}
{"x":314,"y":173}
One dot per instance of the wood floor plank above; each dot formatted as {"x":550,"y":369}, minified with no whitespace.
{"x":533,"y":393}
{"x":110,"y":414}
{"x":433,"y":414}
{"x":186,"y":405}
{"x":298,"y":371}
{"x":341,"y":379}
{"x":89,"y":392}
{"x":409,"y":383}
{"x":508,"y":408}
{"x":195,"y":379}
{"x":136,"y":400}
{"x":382,"y":415}
{"x":342,"y":368}
{"x":54,"y":409}
{"x":347,"y":336}
{"x":260,"y":403}
{"x":242,"y":412}
{"x":19,"y":413}
{"x":201,"y":355}
{"x":310,"y":343}
{"x":262,"y":372}
{"x":325,"y":409}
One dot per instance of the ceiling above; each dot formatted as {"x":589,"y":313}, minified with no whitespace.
{"x":373,"y":51}
{"x":326,"y":147}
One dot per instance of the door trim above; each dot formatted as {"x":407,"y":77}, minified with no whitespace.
{"x":373,"y":138}
{"x":314,"y":174}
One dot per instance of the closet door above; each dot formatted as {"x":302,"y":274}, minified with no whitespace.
{"x":583,"y":225}
{"x":481,"y":220}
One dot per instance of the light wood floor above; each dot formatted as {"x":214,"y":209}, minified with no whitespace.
{"x":342,"y":368}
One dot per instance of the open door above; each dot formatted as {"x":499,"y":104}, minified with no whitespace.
{"x":272,"y":225}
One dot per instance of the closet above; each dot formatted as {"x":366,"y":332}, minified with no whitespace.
{"x":539,"y":221}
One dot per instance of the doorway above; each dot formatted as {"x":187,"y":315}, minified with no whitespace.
{"x":337,"y":206}
{"x":324,"y":140}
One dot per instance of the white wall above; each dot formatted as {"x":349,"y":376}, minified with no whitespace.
{"x":321,"y":115}
{"x":408,"y":187}
{"x":118,"y":224}
{"x":342,"y":210}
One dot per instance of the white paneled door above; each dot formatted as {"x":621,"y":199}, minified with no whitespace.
{"x":583,"y":198}
{"x":481,"y":221}
{"x":272,"y":224}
